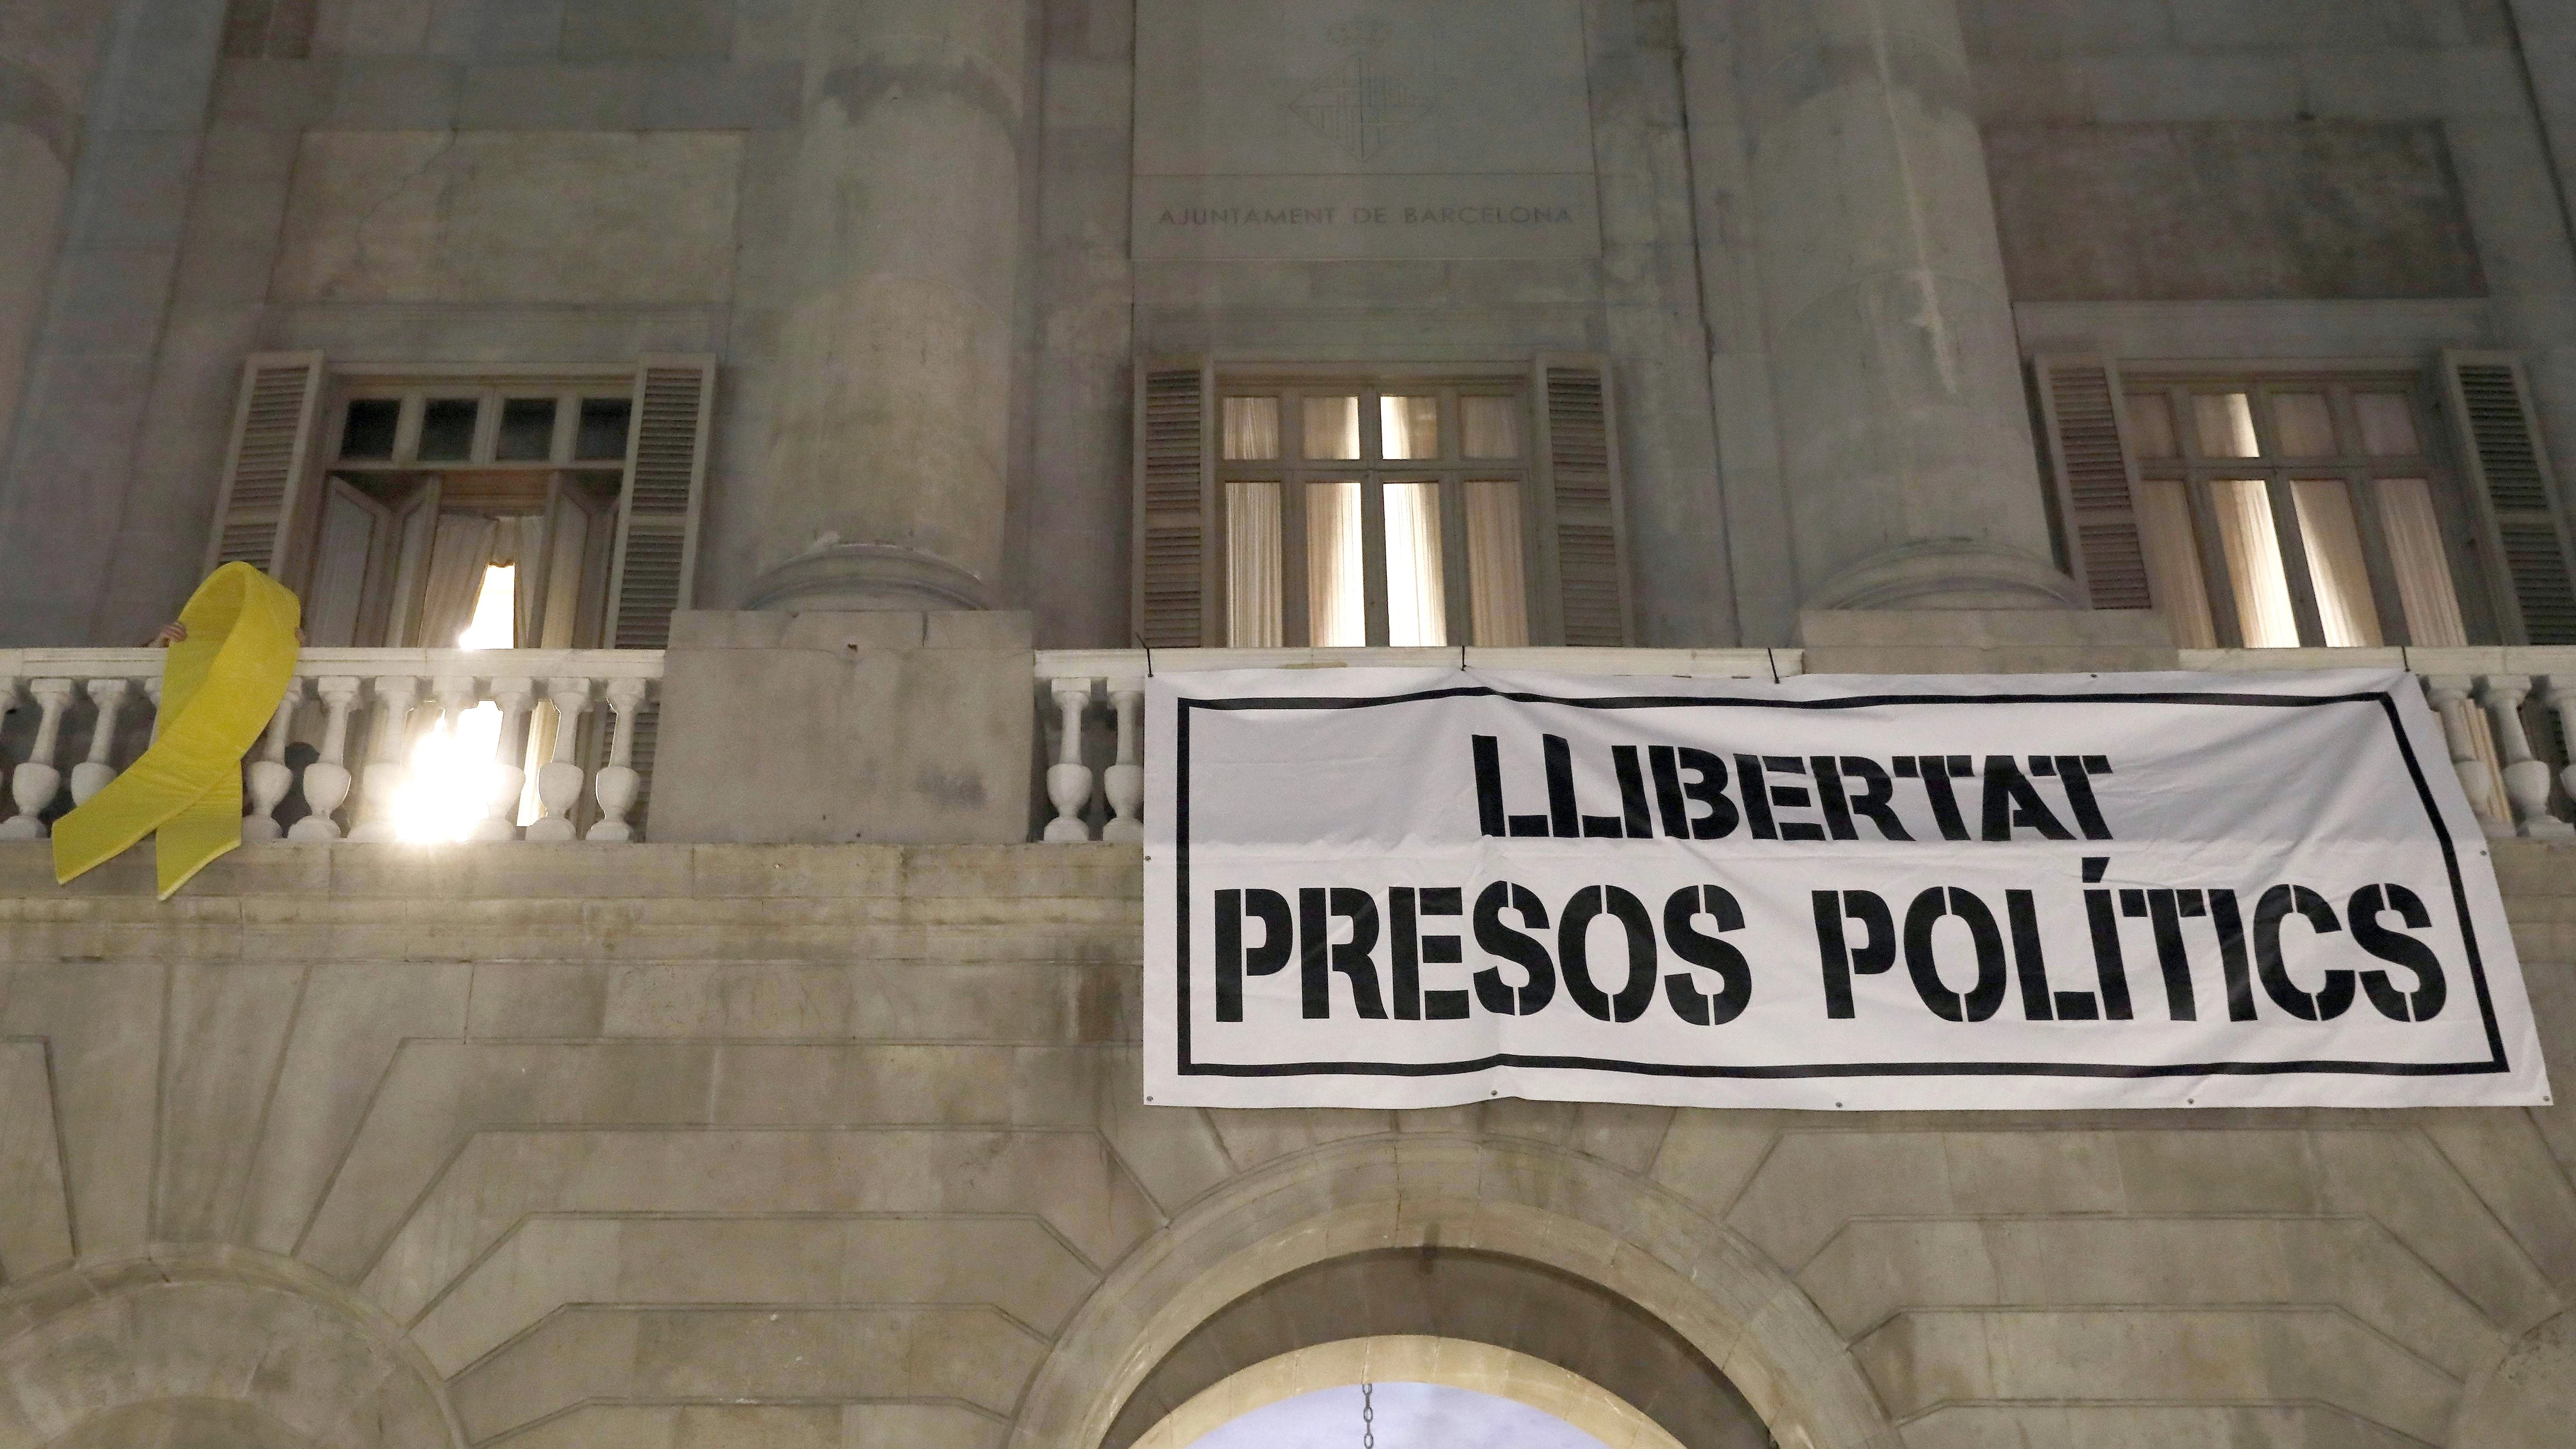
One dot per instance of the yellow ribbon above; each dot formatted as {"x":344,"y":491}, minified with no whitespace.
{"x":220,"y":687}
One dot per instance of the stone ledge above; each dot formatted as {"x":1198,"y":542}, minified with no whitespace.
{"x":523,"y":871}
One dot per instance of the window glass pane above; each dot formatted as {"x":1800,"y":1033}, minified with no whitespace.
{"x":2387,"y":424}
{"x":602,"y":435}
{"x":1336,"y":602}
{"x":2151,"y":426}
{"x":1497,"y":592}
{"x":2302,"y":426}
{"x":2254,"y":570}
{"x":368,"y":434}
{"x":2173,"y":562}
{"x":336,"y":594}
{"x":1252,"y":557}
{"x":527,"y":430}
{"x":447,"y":430}
{"x":2331,"y":538}
{"x":1490,"y":427}
{"x":2423,"y":567}
{"x":1332,"y":427}
{"x":1417,"y":604}
{"x":1252,"y":428}
{"x":1409,"y":427}
{"x":2225,"y":425}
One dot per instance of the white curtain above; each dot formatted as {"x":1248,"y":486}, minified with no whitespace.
{"x":458,"y":554}
{"x":1251,"y":428}
{"x":1332,"y":427}
{"x":1489,"y":427}
{"x":1497,"y":589}
{"x":2331,"y":538}
{"x":2423,"y":568}
{"x":1336,"y":601}
{"x":2173,"y":562}
{"x":1417,"y":604}
{"x":1252,"y":565}
{"x":2225,"y":422}
{"x":2253,"y":549}
{"x":1408,"y":427}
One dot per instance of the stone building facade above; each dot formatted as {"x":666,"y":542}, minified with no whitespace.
{"x":802,"y":336}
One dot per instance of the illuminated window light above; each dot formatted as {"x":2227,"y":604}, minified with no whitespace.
{"x":452,"y":770}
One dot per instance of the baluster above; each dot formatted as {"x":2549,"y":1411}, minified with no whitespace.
{"x":456,"y":697}
{"x":1125,"y":780}
{"x":268,"y":776}
{"x":2557,"y":692}
{"x":326,"y":780}
{"x":618,"y":784}
{"x":2526,"y":780}
{"x":509,"y":772}
{"x":91,"y":775}
{"x":387,"y":772}
{"x":36,"y":781}
{"x":152,"y":692}
{"x":8,"y":701}
{"x":2449,"y":694}
{"x":1068,"y":780}
{"x":559,"y":778}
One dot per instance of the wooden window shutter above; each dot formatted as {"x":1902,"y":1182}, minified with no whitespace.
{"x":1175,"y":593}
{"x":2522,"y":528}
{"x":264,"y":483}
{"x":1582,"y":527}
{"x":655,"y":565}
{"x":2096,"y":480}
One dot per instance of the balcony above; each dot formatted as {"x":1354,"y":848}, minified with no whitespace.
{"x":485,"y":746}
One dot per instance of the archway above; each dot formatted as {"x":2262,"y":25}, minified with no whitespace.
{"x":1478,"y":1303}
{"x":1268,"y":1402}
{"x":1621,"y":1234}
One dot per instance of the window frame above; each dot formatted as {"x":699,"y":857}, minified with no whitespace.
{"x":2179,"y":381}
{"x":1451,"y":471}
{"x":605,"y":481}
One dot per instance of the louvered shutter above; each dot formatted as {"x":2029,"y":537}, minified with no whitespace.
{"x":1582,"y":539}
{"x":1176,"y":594}
{"x":2523,"y":528}
{"x":264,"y":483}
{"x":657,"y":523}
{"x":2079,"y":399}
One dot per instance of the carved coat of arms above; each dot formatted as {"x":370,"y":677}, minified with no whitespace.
{"x":1360,"y":106}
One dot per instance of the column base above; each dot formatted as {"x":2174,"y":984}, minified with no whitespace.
{"x":848,"y":578}
{"x":1948,"y":574}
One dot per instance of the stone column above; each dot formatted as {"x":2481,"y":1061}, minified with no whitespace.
{"x":1904,"y":435}
{"x":884,"y":485}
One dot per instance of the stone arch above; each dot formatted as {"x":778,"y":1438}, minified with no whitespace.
{"x":227,"y":1347}
{"x":1454,"y":1362}
{"x":1470,"y":1297}
{"x":1546,"y":1207}
{"x":2527,"y":1398}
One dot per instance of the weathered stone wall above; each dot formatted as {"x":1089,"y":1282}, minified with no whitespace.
{"x":668,"y":1145}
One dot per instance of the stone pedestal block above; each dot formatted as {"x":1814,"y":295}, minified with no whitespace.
{"x":1985,"y":641}
{"x":884,"y":727}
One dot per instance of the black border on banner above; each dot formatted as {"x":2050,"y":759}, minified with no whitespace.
{"x":2387,"y":703}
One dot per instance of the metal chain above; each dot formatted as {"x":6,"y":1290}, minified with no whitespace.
{"x":1368,"y":1417}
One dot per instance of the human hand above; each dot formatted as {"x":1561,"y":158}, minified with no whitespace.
{"x":171,"y":633}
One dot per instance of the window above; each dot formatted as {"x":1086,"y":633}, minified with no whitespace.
{"x":385,"y":498}
{"x":2287,"y":511}
{"x":1357,"y":515}
{"x":426,"y":487}
{"x":2291,"y":507}
{"x":1408,"y":507}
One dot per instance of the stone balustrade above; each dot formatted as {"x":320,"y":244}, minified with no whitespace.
{"x":363,"y":713}
{"x":78,"y":716}
{"x":2506,"y":713}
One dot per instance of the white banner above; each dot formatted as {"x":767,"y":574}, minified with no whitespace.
{"x":1422,"y":887}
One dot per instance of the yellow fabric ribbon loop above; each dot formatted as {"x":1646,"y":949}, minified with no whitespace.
{"x":220,"y":687}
